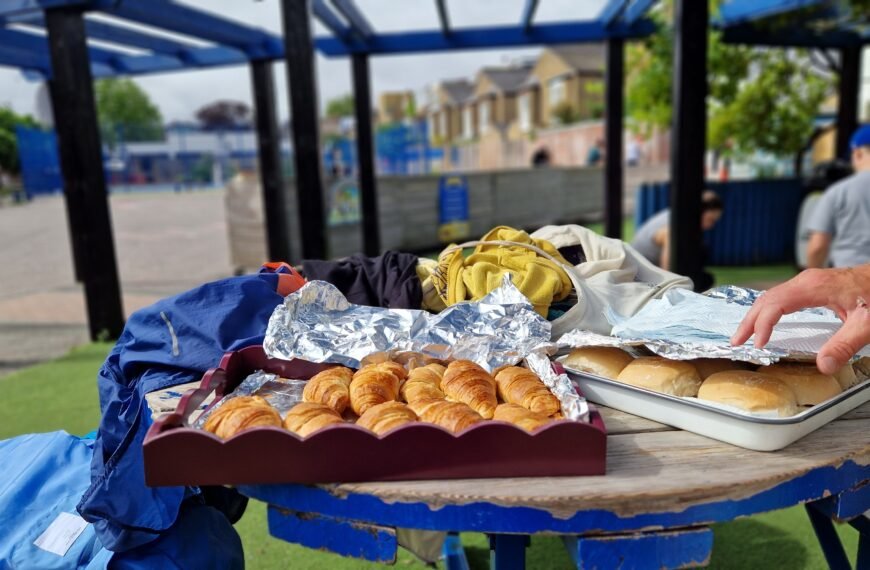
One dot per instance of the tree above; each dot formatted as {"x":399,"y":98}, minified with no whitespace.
{"x":340,"y":107}
{"x":748,"y":107}
{"x":126,"y":113}
{"x":565,"y":113}
{"x":8,"y":142}
{"x":225,"y":115}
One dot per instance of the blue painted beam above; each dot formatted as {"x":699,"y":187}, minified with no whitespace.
{"x":683,"y":548}
{"x":740,"y":11}
{"x":611,"y":11}
{"x":14,"y":7}
{"x":24,"y":59}
{"x":170,"y":16}
{"x":750,"y":34}
{"x":636,"y":10}
{"x":39,"y":44}
{"x":484,"y":38}
{"x":123,"y":36}
{"x":529,"y":14}
{"x":443,"y":16}
{"x":328,"y":18}
{"x":345,"y":537}
{"x":358,"y":23}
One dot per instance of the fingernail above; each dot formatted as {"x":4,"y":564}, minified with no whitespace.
{"x":828,"y":365}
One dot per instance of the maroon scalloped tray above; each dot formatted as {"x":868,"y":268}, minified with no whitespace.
{"x":180,"y":455}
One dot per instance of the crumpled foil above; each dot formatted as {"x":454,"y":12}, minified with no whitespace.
{"x":281,"y":393}
{"x":683,"y":325}
{"x":318,"y":324}
{"x":573,"y":406}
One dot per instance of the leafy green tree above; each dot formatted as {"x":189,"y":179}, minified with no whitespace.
{"x":565,"y":113}
{"x":126,"y":113}
{"x":8,"y":142}
{"x":758,"y":99}
{"x":340,"y":107}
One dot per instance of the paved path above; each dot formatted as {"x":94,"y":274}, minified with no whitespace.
{"x":165,"y":243}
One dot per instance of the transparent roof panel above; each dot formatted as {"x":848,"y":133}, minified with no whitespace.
{"x":403,"y":16}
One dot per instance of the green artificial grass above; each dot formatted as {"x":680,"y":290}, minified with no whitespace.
{"x":62,"y":395}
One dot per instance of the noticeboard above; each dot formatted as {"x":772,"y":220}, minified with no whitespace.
{"x":453,"y":222}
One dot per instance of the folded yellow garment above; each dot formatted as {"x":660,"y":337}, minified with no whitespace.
{"x":459,"y":279}
{"x":431,"y":301}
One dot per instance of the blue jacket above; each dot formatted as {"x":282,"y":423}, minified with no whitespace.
{"x":44,"y":477}
{"x":171,"y":342}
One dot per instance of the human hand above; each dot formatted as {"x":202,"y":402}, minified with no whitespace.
{"x":841,"y":290}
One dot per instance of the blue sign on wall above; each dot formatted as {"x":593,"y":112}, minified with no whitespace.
{"x":453,"y":208}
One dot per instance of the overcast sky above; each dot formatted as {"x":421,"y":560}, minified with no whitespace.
{"x":179,"y":94}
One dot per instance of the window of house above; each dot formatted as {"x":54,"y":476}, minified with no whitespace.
{"x":483,"y":116}
{"x":442,"y":127}
{"x":467,"y":126}
{"x":525,"y":112}
{"x":556,"y":88}
{"x":431,"y":126}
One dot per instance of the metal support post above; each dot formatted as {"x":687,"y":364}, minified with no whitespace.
{"x":269,"y":152}
{"x":302,"y":84}
{"x":613,"y":139}
{"x":81,"y":158}
{"x":365,"y":155}
{"x":688,"y":135}
{"x":847,"y":110}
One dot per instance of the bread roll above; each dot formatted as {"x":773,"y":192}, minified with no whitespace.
{"x":387,"y":416}
{"x":846,"y":377}
{"x":306,"y":418}
{"x":674,"y":377}
{"x":708,"y":366}
{"x":809,"y":385}
{"x":604,"y":361}
{"x":751,"y":391}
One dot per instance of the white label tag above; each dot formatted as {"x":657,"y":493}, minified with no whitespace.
{"x":61,"y":534}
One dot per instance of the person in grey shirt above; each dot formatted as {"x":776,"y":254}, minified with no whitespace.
{"x":652,"y":239}
{"x":840,"y":224}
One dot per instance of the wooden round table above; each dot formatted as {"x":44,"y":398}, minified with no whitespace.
{"x":663,"y":489}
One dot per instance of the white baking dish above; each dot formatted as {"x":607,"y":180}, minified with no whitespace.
{"x":741,"y":429}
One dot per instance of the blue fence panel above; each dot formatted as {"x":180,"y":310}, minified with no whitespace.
{"x":758,"y":225}
{"x":40,"y":166}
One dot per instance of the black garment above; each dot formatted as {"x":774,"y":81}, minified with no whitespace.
{"x":389,"y":280}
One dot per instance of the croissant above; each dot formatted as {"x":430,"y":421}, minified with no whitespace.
{"x":242,"y":413}
{"x":466,"y":382}
{"x":395,"y":368}
{"x":306,"y":418}
{"x":330,"y":387}
{"x":454,"y":416}
{"x":423,"y":384}
{"x":384,"y":417}
{"x":521,"y":386}
{"x":520,"y":416}
{"x":373,"y":385}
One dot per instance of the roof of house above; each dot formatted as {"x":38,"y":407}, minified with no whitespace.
{"x":589,"y":57}
{"x":507,"y":79}
{"x":458,"y":90}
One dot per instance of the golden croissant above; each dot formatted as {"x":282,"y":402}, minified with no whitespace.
{"x":466,"y":382}
{"x":384,"y":417}
{"x":423,"y":384}
{"x":521,"y":386}
{"x":454,"y":416}
{"x":240,"y":414}
{"x":520,"y":416}
{"x":330,"y":387}
{"x":395,"y":368}
{"x":373,"y":385}
{"x":306,"y":418}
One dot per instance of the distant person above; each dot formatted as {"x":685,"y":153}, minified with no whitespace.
{"x":840,"y":223}
{"x":633,"y":153}
{"x":541,"y":157}
{"x":652,"y":239}
{"x":595,"y":156}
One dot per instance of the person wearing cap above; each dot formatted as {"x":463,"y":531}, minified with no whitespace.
{"x":840,"y":224}
{"x":652,"y":239}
